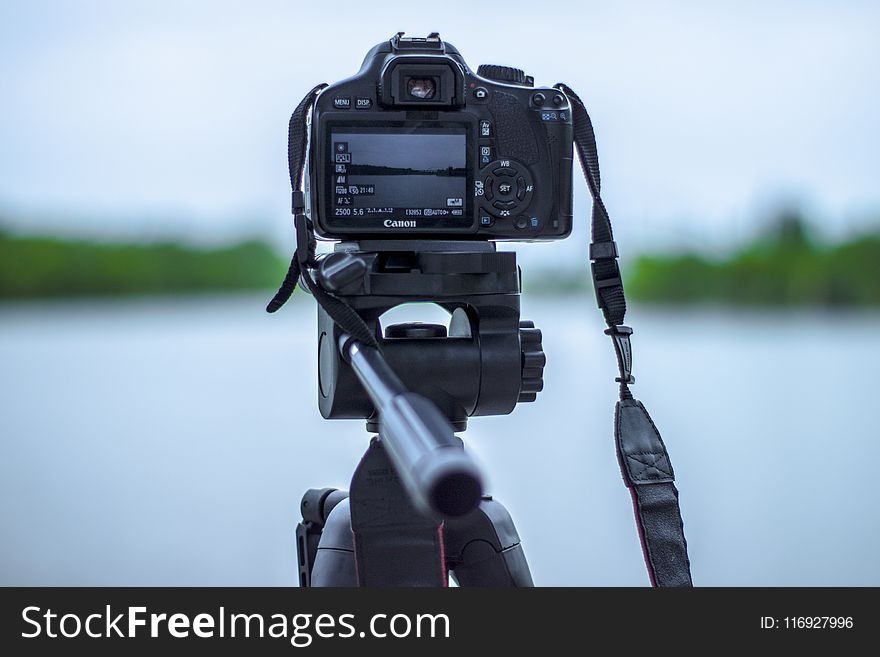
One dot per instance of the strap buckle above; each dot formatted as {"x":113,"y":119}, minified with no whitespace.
{"x":620,"y":335}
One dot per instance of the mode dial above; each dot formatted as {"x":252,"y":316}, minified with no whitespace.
{"x":504,"y":74}
{"x":533,"y":361}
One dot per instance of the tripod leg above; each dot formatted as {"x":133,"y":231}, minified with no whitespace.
{"x":483,"y":548}
{"x":316,"y":506}
{"x":395,"y":545}
{"x":334,"y":559}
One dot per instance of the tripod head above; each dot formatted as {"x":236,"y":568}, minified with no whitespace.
{"x":420,"y":382}
{"x":482,"y":363}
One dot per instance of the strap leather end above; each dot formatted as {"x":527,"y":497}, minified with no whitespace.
{"x":643,"y":456}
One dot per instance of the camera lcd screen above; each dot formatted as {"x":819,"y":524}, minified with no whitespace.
{"x":416,"y":175}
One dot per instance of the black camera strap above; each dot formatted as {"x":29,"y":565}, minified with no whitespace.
{"x":644,"y":462}
{"x":303,"y":260}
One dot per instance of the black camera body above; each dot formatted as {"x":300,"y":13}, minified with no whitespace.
{"x":418,"y":146}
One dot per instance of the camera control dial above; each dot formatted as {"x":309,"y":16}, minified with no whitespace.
{"x":506,"y":74}
{"x":507,"y":187}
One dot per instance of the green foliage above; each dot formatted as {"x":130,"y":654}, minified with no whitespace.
{"x":784,"y":267}
{"x":43,"y":267}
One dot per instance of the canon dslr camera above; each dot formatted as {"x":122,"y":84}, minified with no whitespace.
{"x":416,"y":145}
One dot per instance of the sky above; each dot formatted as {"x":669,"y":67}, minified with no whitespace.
{"x":425,"y":151}
{"x":151,"y":119}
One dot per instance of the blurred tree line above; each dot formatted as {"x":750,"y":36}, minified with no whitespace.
{"x":47,"y":267}
{"x":784,"y":266}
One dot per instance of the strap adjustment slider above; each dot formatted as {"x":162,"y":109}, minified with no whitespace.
{"x":297,"y":202}
{"x":620,"y":335}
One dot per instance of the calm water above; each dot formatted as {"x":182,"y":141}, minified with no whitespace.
{"x":168,"y":442}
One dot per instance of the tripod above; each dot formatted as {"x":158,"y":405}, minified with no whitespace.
{"x":415,"y":512}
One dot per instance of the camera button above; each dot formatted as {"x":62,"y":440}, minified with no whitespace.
{"x":505,"y":188}
{"x":485,"y":155}
{"x":486,"y":220}
{"x":342,"y":102}
{"x":522,"y":222}
{"x":539,"y":99}
{"x":504,"y":171}
{"x":481,"y":94}
{"x":363,"y":103}
{"x":504,"y":205}
{"x":485,"y":128}
{"x":520,"y":188}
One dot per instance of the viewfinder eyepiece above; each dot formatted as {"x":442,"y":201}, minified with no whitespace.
{"x":421,"y":88}
{"x":421,"y":80}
